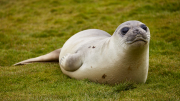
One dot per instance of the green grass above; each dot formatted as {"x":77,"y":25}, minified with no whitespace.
{"x":30,"y":28}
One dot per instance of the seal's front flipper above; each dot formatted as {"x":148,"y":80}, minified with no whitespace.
{"x":50,"y":57}
{"x":71,"y":62}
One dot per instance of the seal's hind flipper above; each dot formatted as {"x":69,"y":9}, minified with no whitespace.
{"x":50,"y":57}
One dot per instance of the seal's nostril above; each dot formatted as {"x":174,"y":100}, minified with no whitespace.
{"x":136,"y":31}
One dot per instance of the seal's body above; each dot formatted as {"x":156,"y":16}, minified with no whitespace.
{"x":96,"y":55}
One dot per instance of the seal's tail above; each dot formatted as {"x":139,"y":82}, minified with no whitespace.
{"x":50,"y":57}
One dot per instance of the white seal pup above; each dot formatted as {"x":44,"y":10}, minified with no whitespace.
{"x":96,"y":55}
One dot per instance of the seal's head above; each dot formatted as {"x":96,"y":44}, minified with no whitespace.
{"x":133,"y":34}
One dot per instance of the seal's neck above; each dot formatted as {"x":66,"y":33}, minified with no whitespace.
{"x":137,"y":55}
{"x":120,"y":49}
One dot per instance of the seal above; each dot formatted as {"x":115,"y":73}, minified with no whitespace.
{"x":96,"y":55}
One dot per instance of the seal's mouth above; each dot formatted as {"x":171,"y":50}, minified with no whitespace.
{"x":139,"y":39}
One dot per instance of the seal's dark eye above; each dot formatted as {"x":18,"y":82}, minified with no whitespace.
{"x":124,"y":30}
{"x":144,"y":27}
